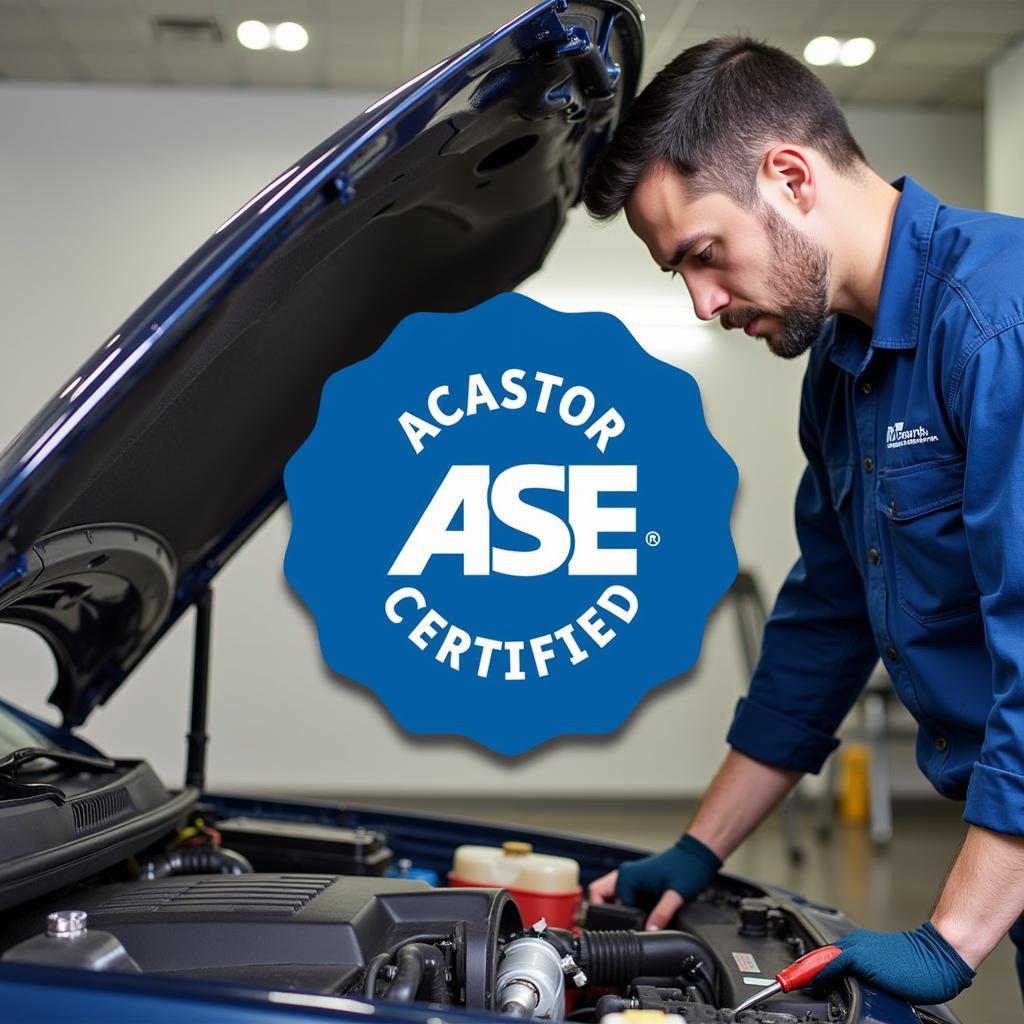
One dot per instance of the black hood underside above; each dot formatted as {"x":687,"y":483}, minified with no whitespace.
{"x":435,"y":199}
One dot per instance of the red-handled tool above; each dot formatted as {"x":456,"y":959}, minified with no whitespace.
{"x":797,"y":975}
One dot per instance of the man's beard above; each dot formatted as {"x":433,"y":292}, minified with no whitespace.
{"x":800,"y":277}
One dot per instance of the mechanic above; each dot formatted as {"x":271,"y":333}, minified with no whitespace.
{"x":737,"y":169}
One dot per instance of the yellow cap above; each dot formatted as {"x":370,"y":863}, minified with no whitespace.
{"x":512,"y":848}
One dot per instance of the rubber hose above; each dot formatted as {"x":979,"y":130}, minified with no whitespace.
{"x":196,"y":860}
{"x":614,"y":959}
{"x":406,"y":982}
{"x":429,"y":937}
{"x":373,"y":969}
{"x":611,"y":1004}
{"x":418,"y":962}
{"x":563,"y":940}
{"x":435,"y":967}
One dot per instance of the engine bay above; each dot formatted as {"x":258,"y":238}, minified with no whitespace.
{"x":269,"y":916}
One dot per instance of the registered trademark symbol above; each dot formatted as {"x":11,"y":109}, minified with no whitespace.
{"x":653,"y":538}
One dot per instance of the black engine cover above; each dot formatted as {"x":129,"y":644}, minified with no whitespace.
{"x":298,"y":931}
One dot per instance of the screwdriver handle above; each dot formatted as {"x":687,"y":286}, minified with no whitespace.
{"x":803,"y":971}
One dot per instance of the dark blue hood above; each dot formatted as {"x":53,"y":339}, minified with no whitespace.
{"x":159,"y":457}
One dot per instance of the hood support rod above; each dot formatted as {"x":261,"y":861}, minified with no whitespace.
{"x":195,"y":772}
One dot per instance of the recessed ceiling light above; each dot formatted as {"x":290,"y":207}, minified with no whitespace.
{"x":855,"y":52}
{"x":291,"y":36}
{"x":823,"y":50}
{"x":184,"y":31}
{"x":253,"y":35}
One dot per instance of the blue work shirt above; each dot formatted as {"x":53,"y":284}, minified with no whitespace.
{"x":910,"y":518}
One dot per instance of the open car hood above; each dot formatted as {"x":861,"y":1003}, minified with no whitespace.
{"x":157,"y":459}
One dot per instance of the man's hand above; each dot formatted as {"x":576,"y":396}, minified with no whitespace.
{"x":741,"y":795}
{"x":603,"y":891}
{"x":672,"y":877}
{"x":982,"y":897}
{"x":919,"y":966}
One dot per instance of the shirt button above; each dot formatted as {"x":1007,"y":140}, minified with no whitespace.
{"x":865,"y":386}
{"x":873,"y":556}
{"x":891,"y":653}
{"x":941,"y":743}
{"x":892,"y":508}
{"x":869,"y":464}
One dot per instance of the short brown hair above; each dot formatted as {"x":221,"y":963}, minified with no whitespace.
{"x":711,"y":114}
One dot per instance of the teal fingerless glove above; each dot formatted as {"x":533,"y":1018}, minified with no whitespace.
{"x":919,"y":966}
{"x":687,"y":867}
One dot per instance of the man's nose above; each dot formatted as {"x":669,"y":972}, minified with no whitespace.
{"x":709,"y":302}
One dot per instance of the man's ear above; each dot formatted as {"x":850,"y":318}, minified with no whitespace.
{"x":787,"y":177}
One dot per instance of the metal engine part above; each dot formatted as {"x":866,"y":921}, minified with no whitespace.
{"x":530,"y":981}
{"x":69,"y":942}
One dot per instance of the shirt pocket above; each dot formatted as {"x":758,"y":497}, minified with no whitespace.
{"x":924,"y":509}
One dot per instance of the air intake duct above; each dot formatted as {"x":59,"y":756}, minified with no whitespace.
{"x":196,"y":860}
{"x":614,"y":959}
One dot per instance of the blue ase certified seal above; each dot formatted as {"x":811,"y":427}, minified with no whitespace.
{"x":510,"y":523}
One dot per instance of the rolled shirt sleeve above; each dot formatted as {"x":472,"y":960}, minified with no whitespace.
{"x":818,"y":649}
{"x":989,"y":409}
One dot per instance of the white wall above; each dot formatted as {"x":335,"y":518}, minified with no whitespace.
{"x":1004,"y":101}
{"x":104,"y":190}
{"x":943,"y":150}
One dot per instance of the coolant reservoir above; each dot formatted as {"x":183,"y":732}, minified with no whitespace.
{"x":542,"y":885}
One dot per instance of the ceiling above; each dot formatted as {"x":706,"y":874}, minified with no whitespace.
{"x":930,"y":52}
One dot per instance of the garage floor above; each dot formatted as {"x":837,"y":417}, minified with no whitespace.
{"x":890,"y":889}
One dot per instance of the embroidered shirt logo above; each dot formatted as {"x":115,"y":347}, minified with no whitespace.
{"x":898,"y":436}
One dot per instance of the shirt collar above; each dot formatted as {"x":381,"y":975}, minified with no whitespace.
{"x":899,"y":303}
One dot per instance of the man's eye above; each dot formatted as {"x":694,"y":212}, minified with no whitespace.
{"x":706,"y":255}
